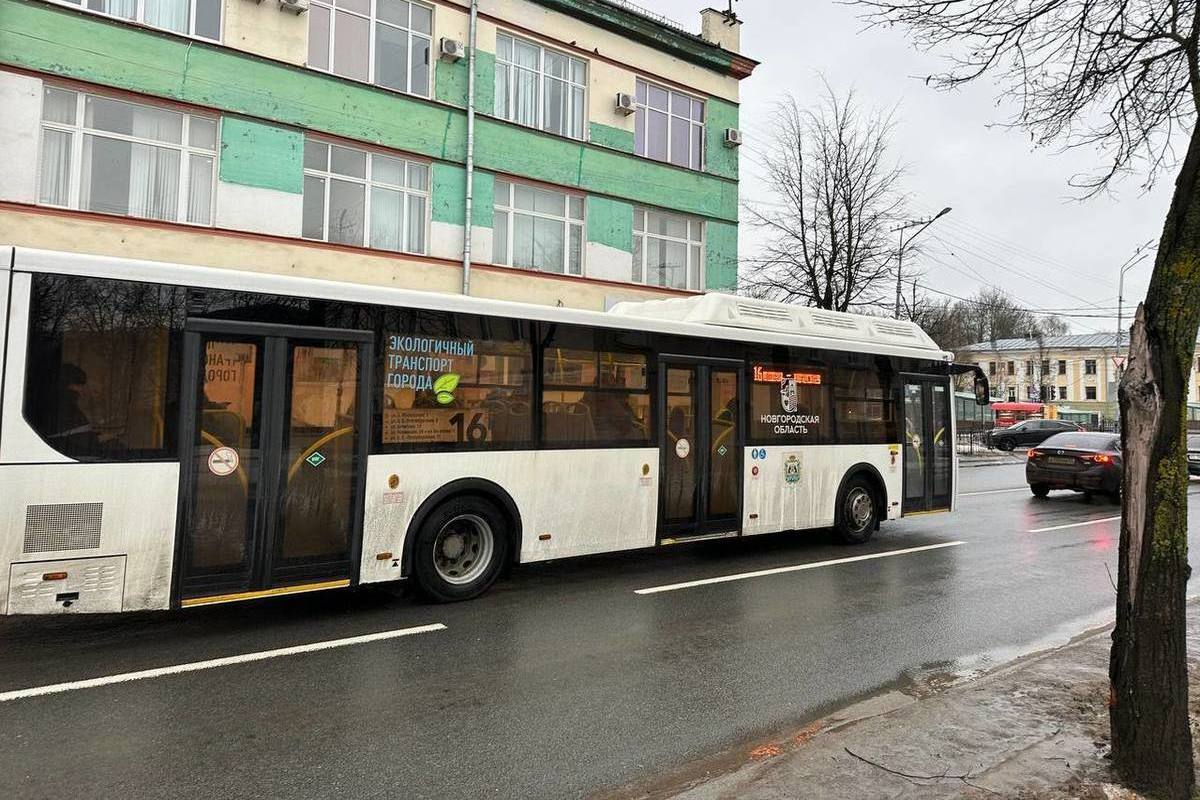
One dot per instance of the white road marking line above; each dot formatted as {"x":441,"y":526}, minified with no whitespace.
{"x":194,"y":666}
{"x":1074,"y":524}
{"x":994,"y":491}
{"x":794,"y":568}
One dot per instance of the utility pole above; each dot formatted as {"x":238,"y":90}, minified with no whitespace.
{"x":900,"y":256}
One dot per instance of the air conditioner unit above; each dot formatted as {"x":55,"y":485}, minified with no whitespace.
{"x":452,"y":49}
{"x":733,"y":137}
{"x":625,"y":103}
{"x":294,"y":6}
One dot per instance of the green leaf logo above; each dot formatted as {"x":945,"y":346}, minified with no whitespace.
{"x":443,"y":388}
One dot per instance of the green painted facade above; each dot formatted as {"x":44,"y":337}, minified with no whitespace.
{"x":266,"y":156}
{"x":449,"y":196}
{"x":719,"y":159}
{"x":720,"y":256}
{"x":608,"y":136}
{"x":450,"y":82}
{"x":610,"y":223}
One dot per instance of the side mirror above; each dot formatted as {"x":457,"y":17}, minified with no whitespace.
{"x":983,"y":392}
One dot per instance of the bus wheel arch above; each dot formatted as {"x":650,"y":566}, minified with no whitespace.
{"x":458,"y":489}
{"x":859,"y":476}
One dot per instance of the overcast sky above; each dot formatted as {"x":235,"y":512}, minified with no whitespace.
{"x":1014,"y":215}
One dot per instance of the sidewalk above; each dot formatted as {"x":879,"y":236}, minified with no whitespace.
{"x":1036,"y":728}
{"x":982,"y":457}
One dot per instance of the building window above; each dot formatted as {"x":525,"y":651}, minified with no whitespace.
{"x":1089,"y":392}
{"x":668,"y":250}
{"x":200,"y":18}
{"x":1029,"y":369}
{"x":1012,"y":394}
{"x":536,"y":228}
{"x":384,"y":42}
{"x":1045,"y":368}
{"x":540,"y":88}
{"x":360,"y":198}
{"x":118,"y":157}
{"x":1012,"y":368}
{"x":1089,"y":367}
{"x":669,"y":126}
{"x":1062,"y":393}
{"x":1062,"y":367}
{"x":991,"y":368}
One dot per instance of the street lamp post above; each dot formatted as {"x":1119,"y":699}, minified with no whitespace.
{"x":1130,"y":263}
{"x":900,"y":255}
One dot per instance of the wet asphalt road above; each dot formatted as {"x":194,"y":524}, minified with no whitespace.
{"x":560,"y":683}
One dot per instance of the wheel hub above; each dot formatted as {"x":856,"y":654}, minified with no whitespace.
{"x":858,"y":504}
{"x":463,"y":549}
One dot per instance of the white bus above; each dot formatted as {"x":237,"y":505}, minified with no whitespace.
{"x":173,"y":436}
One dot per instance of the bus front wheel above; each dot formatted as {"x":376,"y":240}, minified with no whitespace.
{"x":857,"y":513}
{"x":460,"y":549}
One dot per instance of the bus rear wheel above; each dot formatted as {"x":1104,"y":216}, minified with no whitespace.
{"x":857,"y":513}
{"x":460,"y":549}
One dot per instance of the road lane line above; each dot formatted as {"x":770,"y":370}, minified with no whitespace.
{"x":994,"y":491}
{"x":194,"y":666}
{"x":794,"y":568}
{"x":1074,"y":524}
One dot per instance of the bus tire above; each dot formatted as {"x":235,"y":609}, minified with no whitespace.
{"x":460,"y":549}
{"x":857,"y":512}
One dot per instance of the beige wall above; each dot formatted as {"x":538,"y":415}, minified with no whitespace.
{"x":202,"y":247}
{"x":265,"y":29}
{"x":1075,"y":380}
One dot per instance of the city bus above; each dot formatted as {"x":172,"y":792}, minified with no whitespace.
{"x":175,"y":436}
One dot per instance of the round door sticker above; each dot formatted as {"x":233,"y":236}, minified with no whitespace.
{"x":222,"y":461}
{"x":682,"y":448}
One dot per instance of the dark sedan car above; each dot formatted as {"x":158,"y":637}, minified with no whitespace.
{"x":1028,"y":432}
{"x":1083,"y":462}
{"x":1193,"y":453}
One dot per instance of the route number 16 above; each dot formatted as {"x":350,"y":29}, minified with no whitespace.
{"x":473,"y":431}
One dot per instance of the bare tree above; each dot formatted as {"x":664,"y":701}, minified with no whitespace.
{"x":837,"y":194}
{"x":1123,"y":77}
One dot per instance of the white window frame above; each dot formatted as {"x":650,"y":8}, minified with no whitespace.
{"x":640,"y":234}
{"x":540,"y":116}
{"x":140,"y":16}
{"x":78,"y":130}
{"x":368,"y":183}
{"x":567,"y":221}
{"x":642,"y":109}
{"x":373,"y":22}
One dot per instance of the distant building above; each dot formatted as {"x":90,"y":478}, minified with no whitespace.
{"x":1079,"y":369}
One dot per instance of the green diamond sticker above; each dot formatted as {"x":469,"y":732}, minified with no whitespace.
{"x":316,"y":459}
{"x":721,"y":450}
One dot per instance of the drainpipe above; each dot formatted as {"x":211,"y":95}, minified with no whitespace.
{"x":466,"y":261}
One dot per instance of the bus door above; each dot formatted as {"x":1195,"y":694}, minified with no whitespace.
{"x":700,"y":420}
{"x":928,"y":453}
{"x":273,"y":433}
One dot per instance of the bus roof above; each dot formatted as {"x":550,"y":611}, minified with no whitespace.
{"x":715,"y":316}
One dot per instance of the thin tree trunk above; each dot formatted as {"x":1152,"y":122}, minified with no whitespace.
{"x":1152,"y":743}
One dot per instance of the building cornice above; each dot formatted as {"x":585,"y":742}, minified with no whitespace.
{"x":681,"y":44}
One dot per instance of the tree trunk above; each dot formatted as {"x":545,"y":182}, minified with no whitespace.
{"x":1148,"y":707}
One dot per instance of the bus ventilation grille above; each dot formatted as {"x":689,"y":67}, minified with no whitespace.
{"x":62,"y":526}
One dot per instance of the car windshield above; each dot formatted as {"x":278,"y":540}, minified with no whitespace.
{"x":1083,"y":441}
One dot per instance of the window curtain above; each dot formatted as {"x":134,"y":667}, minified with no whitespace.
{"x":386,"y":212}
{"x":56,"y":168}
{"x":171,"y":15}
{"x":154,"y":171}
{"x":126,"y":9}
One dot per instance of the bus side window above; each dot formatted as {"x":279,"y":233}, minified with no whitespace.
{"x":101,"y":379}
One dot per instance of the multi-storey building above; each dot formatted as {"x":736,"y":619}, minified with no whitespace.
{"x":1079,"y":368}
{"x":329,"y":139}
